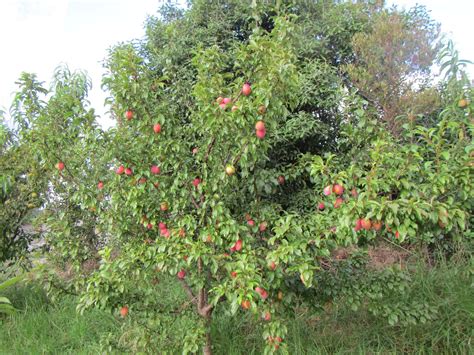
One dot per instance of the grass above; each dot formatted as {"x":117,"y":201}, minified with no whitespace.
{"x":45,"y":328}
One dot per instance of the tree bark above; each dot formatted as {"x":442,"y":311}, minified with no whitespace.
{"x":204,"y":309}
{"x":208,"y":347}
{"x":207,"y":350}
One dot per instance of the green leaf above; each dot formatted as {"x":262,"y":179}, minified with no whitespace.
{"x":10,"y":282}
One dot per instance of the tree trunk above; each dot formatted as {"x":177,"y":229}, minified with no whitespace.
{"x":204,"y":309}
{"x":206,"y":313}
{"x":208,"y":347}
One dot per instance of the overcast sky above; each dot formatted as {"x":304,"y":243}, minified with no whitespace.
{"x":37,"y":35}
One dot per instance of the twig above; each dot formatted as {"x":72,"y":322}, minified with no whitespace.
{"x":399,"y":246}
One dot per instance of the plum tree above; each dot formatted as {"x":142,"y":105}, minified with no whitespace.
{"x":201,"y":239}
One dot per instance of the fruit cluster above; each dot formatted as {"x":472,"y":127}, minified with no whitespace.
{"x":360,"y":223}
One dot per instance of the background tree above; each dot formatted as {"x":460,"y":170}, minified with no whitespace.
{"x":58,"y":143}
{"x":23,"y":186}
{"x":393,"y":62}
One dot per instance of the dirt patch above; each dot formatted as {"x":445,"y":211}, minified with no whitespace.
{"x":343,"y":253}
{"x":383,"y":256}
{"x":380,"y":256}
{"x":87,"y":268}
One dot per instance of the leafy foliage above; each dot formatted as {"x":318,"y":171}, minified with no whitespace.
{"x":6,"y":306}
{"x":385,"y":293}
{"x":241,"y":158}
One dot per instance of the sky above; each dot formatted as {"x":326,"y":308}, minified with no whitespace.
{"x":38,"y":35}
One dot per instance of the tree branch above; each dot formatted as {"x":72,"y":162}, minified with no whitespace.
{"x":237,"y":158}
{"x":209,"y":148}
{"x":193,"y":200}
{"x":204,"y":311}
{"x":202,"y":290}
{"x":189,"y":291}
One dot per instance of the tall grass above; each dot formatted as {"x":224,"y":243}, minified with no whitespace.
{"x":44,"y":328}
{"x":340,"y":330}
